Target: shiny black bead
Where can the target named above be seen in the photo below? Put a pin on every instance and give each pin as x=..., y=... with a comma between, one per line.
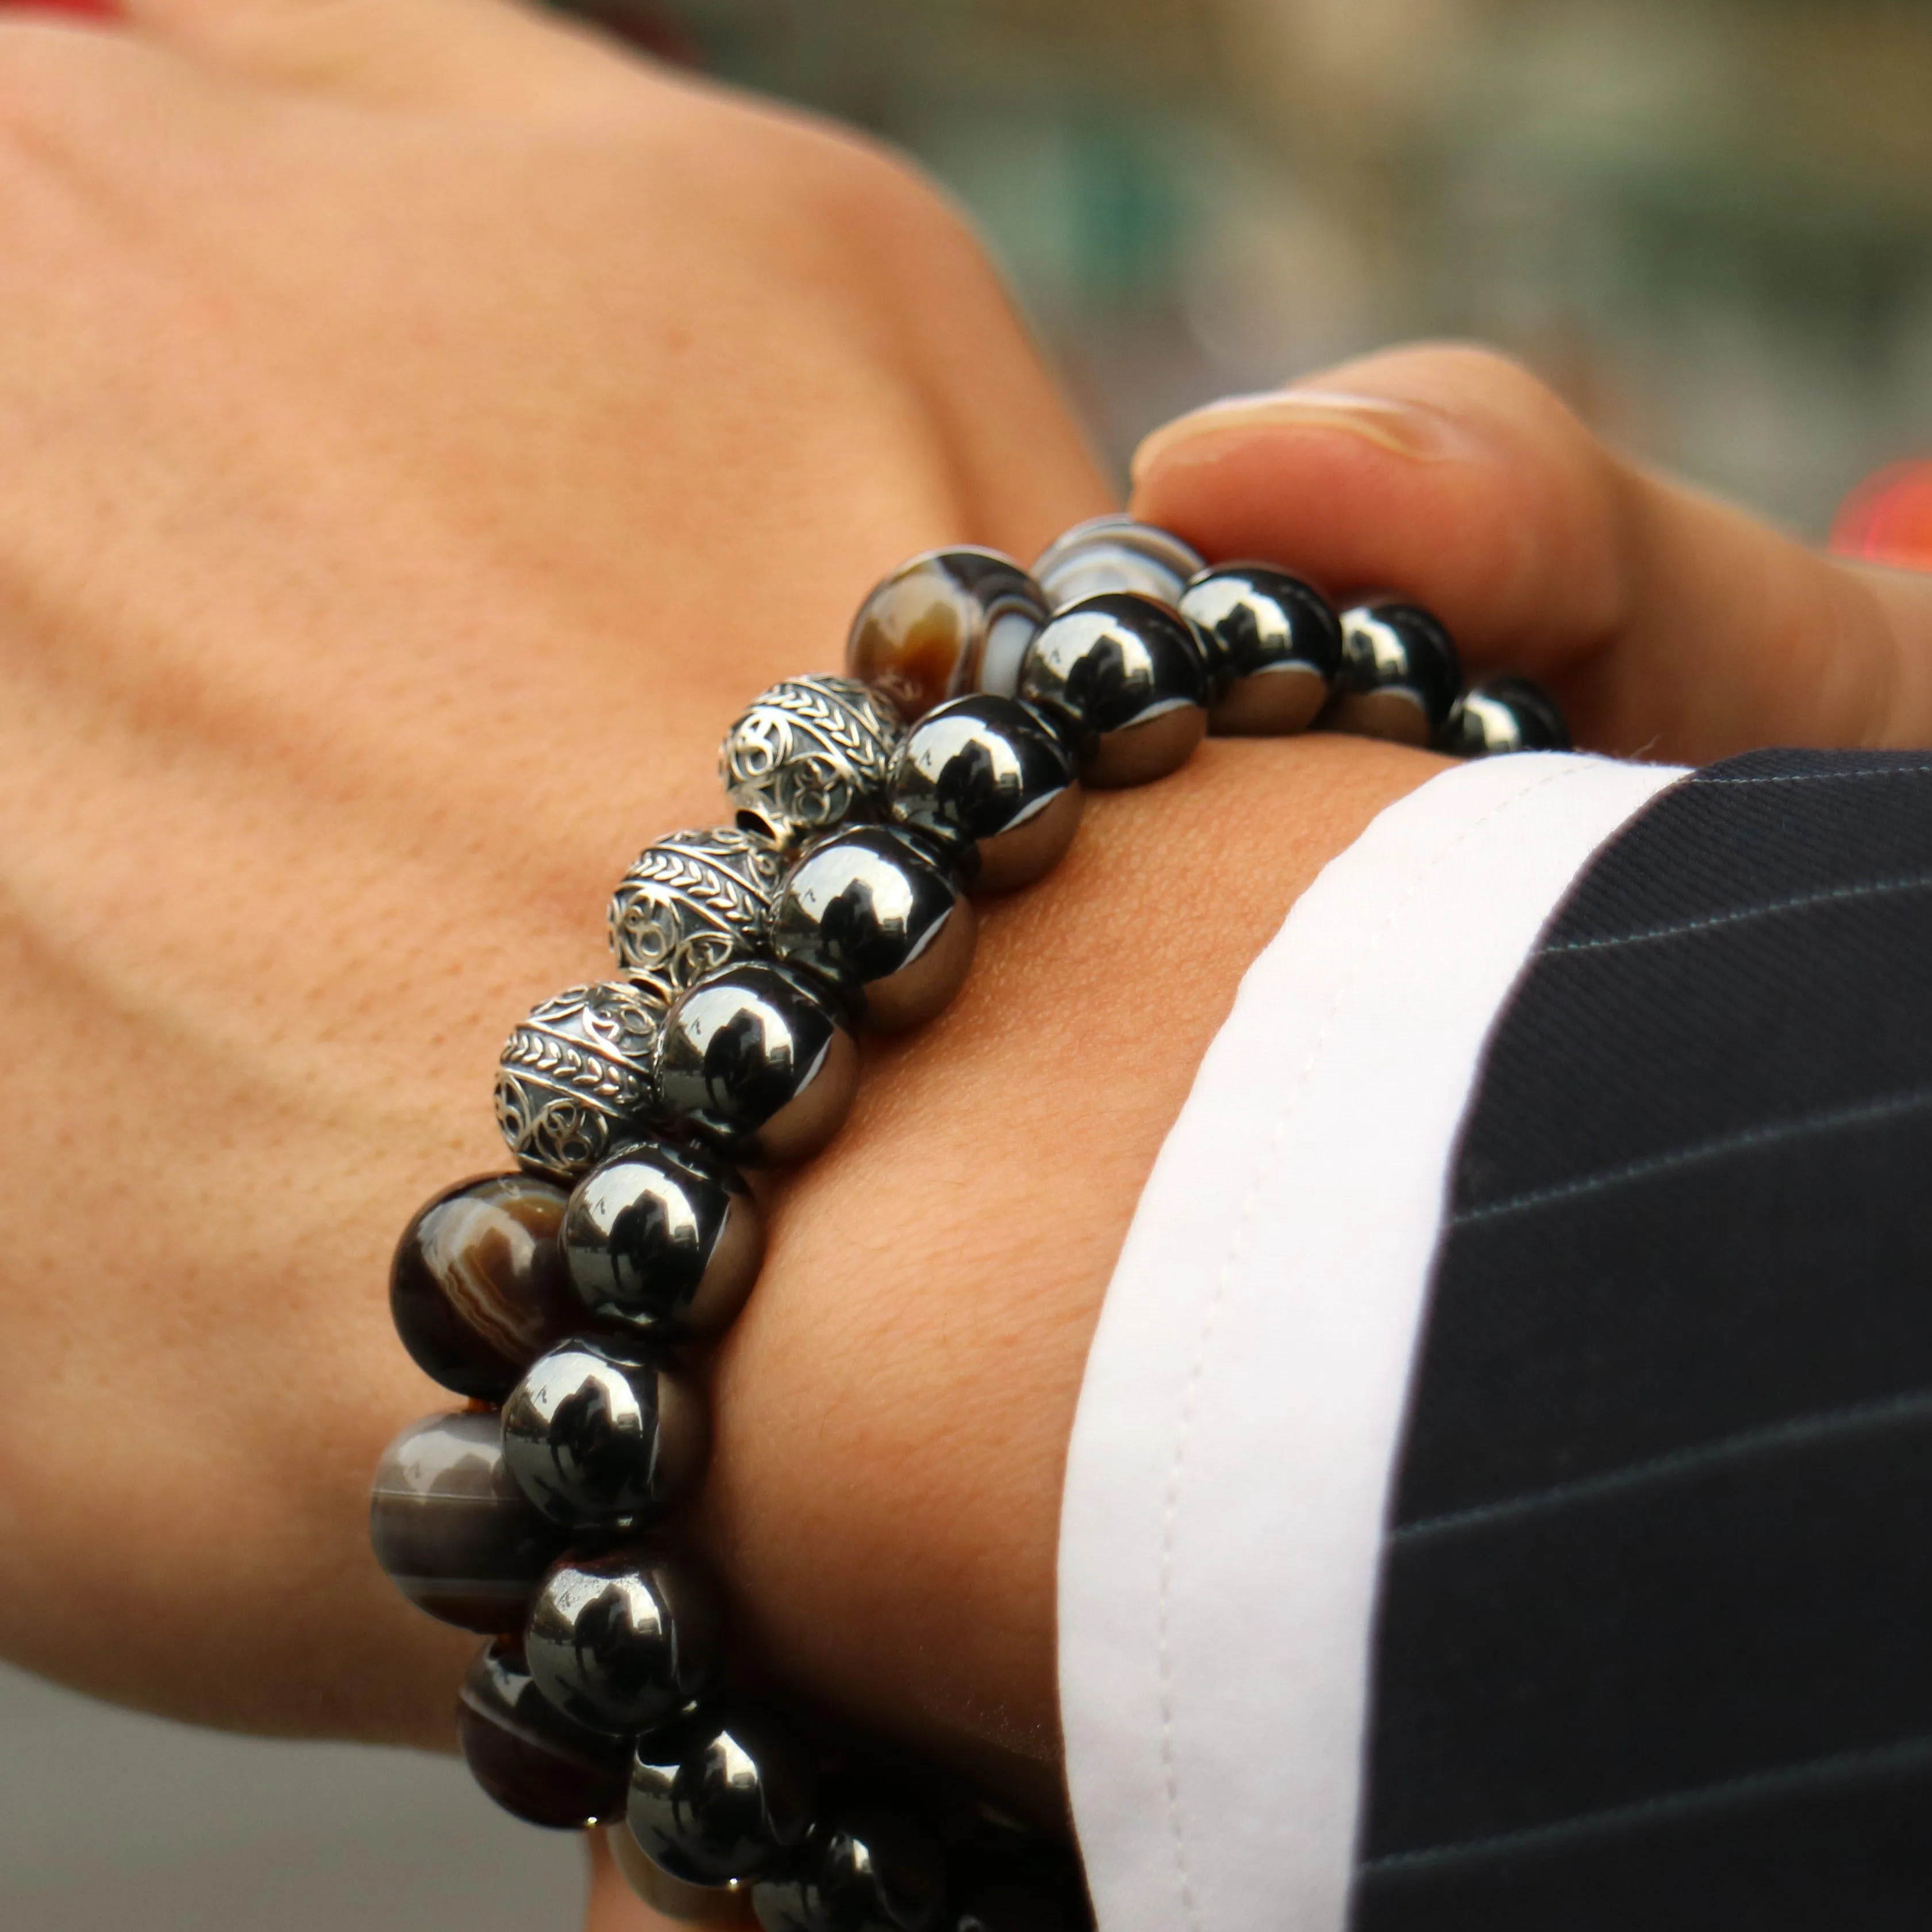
x=1273, y=646
x=623, y=1641
x=663, y=1240
x=947, y=622
x=986, y=775
x=728, y=1904
x=1399, y=675
x=478, y=1289
x=872, y=1865
x=1115, y=553
x=1125, y=677
x=598, y=1438
x=530, y=1757
x=879, y=918
x=449, y=1523
x=760, y=1061
x=724, y=1796
x=1501, y=714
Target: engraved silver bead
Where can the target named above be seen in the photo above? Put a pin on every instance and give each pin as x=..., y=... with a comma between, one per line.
x=1272, y=645
x=1502, y=715
x=987, y=775
x=758, y=1060
x=1124, y=676
x=622, y=1641
x=1399, y=673
x=576, y=1077
x=1114, y=553
x=597, y=1438
x=808, y=755
x=882, y=920
x=947, y=622
x=693, y=902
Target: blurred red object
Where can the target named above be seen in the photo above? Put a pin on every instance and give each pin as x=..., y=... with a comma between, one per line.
x=1888, y=518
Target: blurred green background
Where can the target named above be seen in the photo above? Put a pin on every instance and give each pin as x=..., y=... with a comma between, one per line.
x=1708, y=223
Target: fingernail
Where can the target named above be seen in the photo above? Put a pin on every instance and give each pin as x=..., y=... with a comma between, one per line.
x=1413, y=430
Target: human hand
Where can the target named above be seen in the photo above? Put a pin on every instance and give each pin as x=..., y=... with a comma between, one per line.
x=1668, y=624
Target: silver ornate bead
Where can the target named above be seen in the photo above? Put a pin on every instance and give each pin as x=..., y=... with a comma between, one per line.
x=987, y=775
x=1399, y=673
x=693, y=902
x=758, y=1060
x=1501, y=714
x=576, y=1077
x=1123, y=675
x=870, y=911
x=947, y=622
x=808, y=755
x=1114, y=553
x=1273, y=646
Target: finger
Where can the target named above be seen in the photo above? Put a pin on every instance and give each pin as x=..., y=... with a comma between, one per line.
x=480, y=53
x=1666, y=621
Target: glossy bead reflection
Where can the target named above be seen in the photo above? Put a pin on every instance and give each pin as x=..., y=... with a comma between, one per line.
x=1115, y=553
x=721, y=1798
x=878, y=917
x=528, y=1756
x=1502, y=715
x=1399, y=673
x=986, y=774
x=449, y=1523
x=594, y=1438
x=1273, y=646
x=758, y=1060
x=1125, y=677
x=727, y=1904
x=623, y=1641
x=666, y=1240
x=479, y=1288
x=948, y=622
x=872, y=1866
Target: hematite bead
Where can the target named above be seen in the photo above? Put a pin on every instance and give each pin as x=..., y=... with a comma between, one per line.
x=1114, y=553
x=666, y=1240
x=872, y=1866
x=1273, y=646
x=808, y=754
x=758, y=1060
x=947, y=622
x=576, y=1077
x=621, y=1641
x=530, y=1757
x=479, y=1288
x=693, y=902
x=1399, y=673
x=449, y=1523
x=871, y=912
x=985, y=774
x=597, y=1439
x=719, y=1797
x=1501, y=714
x=1125, y=676
x=728, y=1904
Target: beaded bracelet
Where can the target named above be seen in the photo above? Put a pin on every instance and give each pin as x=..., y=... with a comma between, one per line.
x=565, y=1300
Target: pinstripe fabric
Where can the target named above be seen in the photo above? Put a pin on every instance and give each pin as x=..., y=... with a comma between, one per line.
x=1655, y=1647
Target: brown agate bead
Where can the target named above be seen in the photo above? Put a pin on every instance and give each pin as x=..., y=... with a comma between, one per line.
x=530, y=1757
x=447, y=1522
x=479, y=1287
x=949, y=621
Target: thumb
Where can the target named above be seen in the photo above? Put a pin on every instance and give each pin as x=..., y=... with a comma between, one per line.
x=1665, y=622
x=495, y=53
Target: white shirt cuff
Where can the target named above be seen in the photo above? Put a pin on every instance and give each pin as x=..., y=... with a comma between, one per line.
x=1242, y=1408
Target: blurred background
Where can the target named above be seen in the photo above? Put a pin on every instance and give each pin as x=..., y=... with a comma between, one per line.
x=1708, y=222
